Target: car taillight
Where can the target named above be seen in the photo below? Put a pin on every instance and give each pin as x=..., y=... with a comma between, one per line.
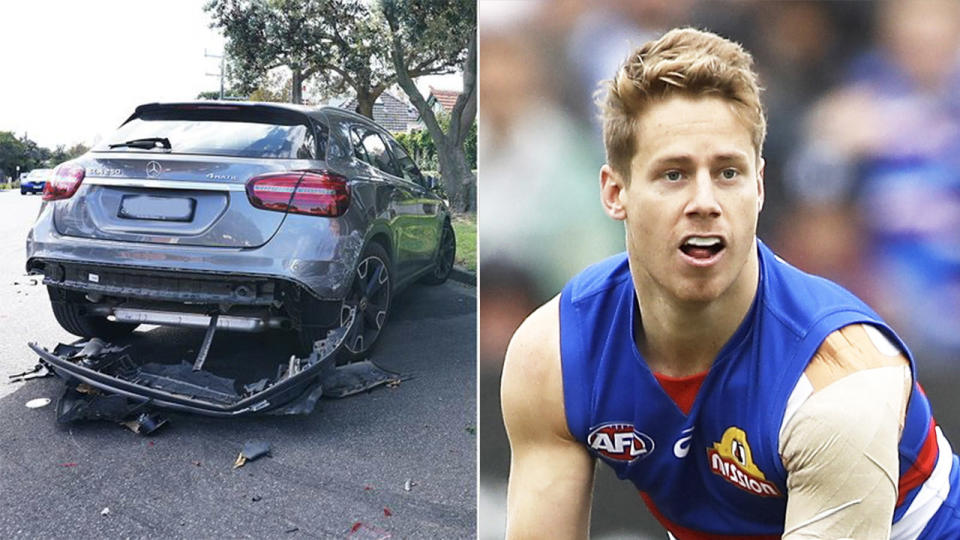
x=63, y=183
x=317, y=193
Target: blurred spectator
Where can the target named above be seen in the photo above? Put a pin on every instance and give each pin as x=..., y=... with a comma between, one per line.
x=540, y=194
x=879, y=178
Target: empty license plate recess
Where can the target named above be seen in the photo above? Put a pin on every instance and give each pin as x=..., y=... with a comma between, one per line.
x=157, y=208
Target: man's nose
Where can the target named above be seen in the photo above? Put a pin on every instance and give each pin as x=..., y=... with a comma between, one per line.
x=703, y=199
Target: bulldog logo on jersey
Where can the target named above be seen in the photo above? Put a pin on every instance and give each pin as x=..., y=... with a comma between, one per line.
x=619, y=441
x=732, y=459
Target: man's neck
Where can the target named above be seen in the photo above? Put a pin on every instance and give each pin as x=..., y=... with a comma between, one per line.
x=680, y=338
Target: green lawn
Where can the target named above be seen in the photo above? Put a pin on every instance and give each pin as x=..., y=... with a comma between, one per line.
x=465, y=228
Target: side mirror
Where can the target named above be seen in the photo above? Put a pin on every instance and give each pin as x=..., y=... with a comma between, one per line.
x=432, y=182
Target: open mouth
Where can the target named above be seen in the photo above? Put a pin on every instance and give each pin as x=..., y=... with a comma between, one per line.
x=702, y=247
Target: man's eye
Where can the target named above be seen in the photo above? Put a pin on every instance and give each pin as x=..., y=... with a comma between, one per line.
x=729, y=174
x=673, y=176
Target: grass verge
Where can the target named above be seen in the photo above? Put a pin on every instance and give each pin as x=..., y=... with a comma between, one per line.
x=465, y=228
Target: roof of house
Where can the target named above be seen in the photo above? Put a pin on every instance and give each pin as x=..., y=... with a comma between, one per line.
x=446, y=98
x=390, y=112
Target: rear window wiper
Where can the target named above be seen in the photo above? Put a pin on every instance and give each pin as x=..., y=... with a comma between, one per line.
x=147, y=143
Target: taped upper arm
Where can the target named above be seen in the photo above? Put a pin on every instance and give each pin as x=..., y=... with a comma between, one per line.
x=850, y=349
x=551, y=474
x=840, y=445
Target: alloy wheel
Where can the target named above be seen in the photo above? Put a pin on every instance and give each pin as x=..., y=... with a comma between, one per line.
x=370, y=298
x=448, y=249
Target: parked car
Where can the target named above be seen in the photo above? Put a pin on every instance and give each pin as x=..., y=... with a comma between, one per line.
x=34, y=181
x=239, y=217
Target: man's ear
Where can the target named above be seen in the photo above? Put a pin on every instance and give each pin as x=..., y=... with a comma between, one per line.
x=760, y=191
x=612, y=193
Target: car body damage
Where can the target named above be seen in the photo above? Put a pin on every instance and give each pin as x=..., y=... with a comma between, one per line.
x=260, y=217
x=104, y=381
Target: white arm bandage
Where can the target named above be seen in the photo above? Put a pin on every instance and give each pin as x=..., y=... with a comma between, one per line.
x=840, y=452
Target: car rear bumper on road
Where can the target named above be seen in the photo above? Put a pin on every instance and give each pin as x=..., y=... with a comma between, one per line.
x=295, y=389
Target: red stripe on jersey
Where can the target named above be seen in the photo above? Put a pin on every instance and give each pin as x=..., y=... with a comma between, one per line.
x=923, y=466
x=683, y=533
x=682, y=390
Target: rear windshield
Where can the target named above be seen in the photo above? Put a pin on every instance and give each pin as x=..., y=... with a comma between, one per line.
x=239, y=132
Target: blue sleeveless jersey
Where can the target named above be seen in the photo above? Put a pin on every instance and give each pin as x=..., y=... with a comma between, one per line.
x=717, y=472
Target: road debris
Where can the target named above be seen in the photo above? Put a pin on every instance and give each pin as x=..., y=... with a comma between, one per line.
x=256, y=498
x=37, y=403
x=38, y=371
x=105, y=511
x=362, y=530
x=106, y=382
x=69, y=464
x=387, y=512
x=292, y=530
x=352, y=379
x=251, y=451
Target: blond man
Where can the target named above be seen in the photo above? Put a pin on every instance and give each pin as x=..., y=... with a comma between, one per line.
x=742, y=397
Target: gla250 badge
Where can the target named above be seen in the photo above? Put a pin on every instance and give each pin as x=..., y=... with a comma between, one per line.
x=103, y=171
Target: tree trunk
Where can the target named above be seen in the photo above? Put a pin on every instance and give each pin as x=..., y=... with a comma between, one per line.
x=457, y=178
x=365, y=101
x=296, y=89
x=454, y=171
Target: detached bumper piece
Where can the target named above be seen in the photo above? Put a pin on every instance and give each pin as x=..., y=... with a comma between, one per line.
x=104, y=382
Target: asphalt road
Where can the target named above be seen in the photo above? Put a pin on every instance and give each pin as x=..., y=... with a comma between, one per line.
x=340, y=472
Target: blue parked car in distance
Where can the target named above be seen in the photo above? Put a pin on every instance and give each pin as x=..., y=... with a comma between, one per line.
x=34, y=181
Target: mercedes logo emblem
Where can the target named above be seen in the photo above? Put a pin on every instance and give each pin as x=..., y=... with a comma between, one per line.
x=154, y=169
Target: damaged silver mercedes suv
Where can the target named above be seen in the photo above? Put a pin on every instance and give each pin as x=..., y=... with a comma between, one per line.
x=240, y=217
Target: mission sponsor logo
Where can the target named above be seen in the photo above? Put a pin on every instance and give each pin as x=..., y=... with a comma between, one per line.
x=619, y=441
x=732, y=459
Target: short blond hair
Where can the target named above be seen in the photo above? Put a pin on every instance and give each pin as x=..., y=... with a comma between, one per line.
x=684, y=61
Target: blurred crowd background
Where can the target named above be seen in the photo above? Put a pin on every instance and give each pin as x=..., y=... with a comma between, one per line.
x=862, y=174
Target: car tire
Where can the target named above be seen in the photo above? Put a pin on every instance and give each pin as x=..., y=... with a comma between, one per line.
x=70, y=312
x=23, y=191
x=446, y=254
x=370, y=295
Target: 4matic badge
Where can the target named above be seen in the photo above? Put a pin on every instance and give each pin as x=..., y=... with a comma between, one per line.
x=732, y=459
x=619, y=441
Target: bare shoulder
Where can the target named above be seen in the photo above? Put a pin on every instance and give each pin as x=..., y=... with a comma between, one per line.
x=532, y=388
x=535, y=347
x=850, y=349
x=551, y=474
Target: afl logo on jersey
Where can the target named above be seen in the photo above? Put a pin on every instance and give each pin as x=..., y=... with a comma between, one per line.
x=619, y=441
x=732, y=459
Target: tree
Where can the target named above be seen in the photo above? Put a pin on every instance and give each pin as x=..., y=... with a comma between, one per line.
x=420, y=145
x=61, y=153
x=75, y=151
x=444, y=24
x=267, y=34
x=58, y=156
x=23, y=152
x=335, y=44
